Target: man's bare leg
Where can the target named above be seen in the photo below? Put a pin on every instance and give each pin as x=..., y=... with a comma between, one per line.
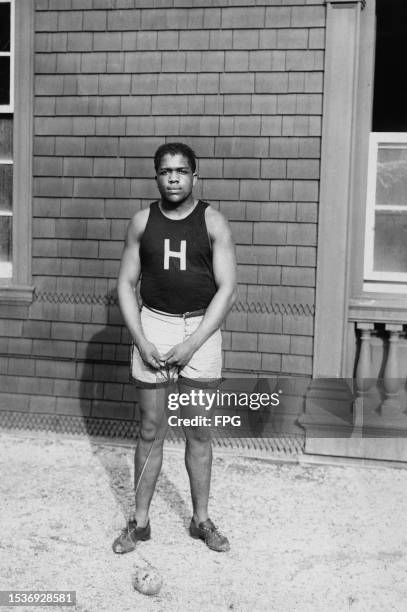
x=198, y=457
x=198, y=461
x=147, y=466
x=153, y=427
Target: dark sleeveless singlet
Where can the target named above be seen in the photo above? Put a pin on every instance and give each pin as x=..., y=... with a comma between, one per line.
x=176, y=262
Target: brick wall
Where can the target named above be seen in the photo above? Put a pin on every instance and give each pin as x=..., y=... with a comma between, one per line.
x=241, y=82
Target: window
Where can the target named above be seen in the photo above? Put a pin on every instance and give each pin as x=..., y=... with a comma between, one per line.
x=6, y=135
x=386, y=215
x=385, y=260
x=6, y=55
x=16, y=119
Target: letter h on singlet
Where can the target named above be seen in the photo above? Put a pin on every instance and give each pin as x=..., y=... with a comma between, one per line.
x=181, y=254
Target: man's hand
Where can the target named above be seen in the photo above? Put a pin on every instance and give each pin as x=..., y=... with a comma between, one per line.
x=180, y=354
x=150, y=354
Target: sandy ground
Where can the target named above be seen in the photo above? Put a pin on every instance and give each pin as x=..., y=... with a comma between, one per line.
x=303, y=538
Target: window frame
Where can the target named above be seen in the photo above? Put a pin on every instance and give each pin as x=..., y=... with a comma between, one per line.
x=371, y=276
x=384, y=285
x=9, y=108
x=6, y=268
x=17, y=289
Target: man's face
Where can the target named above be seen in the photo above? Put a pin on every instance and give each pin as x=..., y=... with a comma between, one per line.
x=175, y=179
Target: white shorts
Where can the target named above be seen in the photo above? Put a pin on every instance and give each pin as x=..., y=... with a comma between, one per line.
x=165, y=331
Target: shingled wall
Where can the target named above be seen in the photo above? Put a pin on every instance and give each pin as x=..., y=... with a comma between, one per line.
x=241, y=82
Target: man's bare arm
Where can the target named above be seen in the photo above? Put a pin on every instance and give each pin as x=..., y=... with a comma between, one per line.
x=224, y=269
x=129, y=275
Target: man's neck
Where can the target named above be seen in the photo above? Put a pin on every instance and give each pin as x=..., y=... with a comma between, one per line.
x=180, y=211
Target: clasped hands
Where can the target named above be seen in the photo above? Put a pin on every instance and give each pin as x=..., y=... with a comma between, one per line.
x=178, y=355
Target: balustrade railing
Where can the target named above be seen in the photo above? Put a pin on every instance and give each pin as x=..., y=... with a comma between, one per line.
x=380, y=379
x=392, y=381
x=363, y=374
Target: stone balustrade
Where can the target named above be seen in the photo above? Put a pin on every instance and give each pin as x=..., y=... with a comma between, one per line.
x=380, y=376
x=363, y=413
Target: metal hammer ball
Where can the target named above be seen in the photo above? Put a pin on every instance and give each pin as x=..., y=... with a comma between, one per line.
x=147, y=581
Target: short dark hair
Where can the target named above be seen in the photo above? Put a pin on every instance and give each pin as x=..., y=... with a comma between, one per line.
x=175, y=148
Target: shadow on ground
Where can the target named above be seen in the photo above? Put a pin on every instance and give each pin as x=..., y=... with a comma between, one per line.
x=106, y=396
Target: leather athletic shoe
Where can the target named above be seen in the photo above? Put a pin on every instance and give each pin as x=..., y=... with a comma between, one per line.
x=130, y=535
x=207, y=532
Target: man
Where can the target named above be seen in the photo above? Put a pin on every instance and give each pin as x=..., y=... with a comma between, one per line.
x=182, y=250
